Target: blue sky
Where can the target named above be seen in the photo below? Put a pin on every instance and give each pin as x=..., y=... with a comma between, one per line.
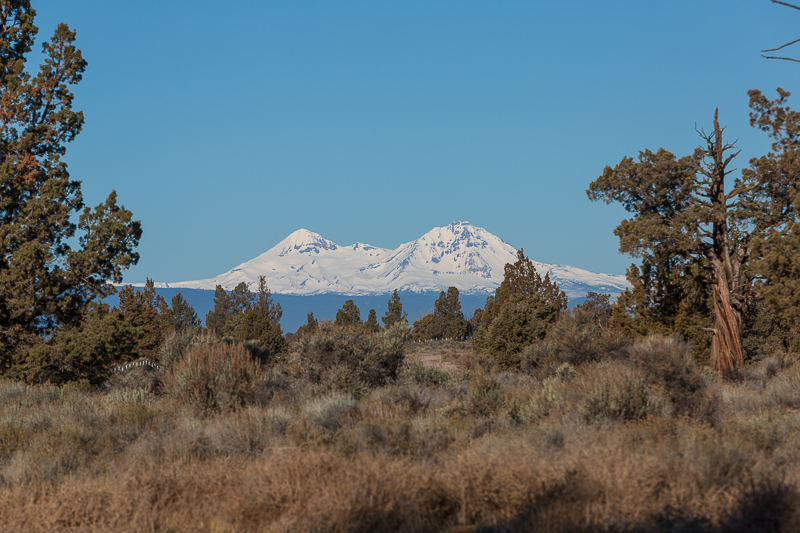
x=225, y=127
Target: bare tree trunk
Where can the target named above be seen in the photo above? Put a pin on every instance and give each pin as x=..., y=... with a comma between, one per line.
x=726, y=346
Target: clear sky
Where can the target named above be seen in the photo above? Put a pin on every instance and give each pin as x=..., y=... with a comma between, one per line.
x=226, y=126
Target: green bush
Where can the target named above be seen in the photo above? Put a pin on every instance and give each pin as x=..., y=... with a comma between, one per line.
x=220, y=376
x=372, y=358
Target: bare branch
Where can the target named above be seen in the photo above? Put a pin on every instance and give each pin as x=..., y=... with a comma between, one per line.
x=785, y=4
x=784, y=58
x=782, y=46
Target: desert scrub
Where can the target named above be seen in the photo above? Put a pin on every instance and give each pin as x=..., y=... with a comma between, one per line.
x=328, y=410
x=525, y=407
x=667, y=363
x=616, y=392
x=220, y=376
x=176, y=345
x=487, y=398
x=371, y=358
x=576, y=338
x=428, y=375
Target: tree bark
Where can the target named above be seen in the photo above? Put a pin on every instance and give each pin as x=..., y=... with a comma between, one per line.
x=726, y=346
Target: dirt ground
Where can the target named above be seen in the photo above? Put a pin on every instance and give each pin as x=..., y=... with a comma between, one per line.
x=439, y=354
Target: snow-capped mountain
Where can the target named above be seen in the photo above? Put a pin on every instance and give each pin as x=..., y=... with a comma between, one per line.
x=460, y=255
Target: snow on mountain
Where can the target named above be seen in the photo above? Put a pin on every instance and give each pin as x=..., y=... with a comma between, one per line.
x=460, y=255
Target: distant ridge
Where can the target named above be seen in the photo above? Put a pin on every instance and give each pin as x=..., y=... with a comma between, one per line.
x=460, y=255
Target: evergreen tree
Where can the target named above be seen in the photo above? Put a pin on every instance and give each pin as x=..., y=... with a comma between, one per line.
x=371, y=324
x=348, y=315
x=51, y=266
x=446, y=322
x=448, y=308
x=599, y=307
x=519, y=322
x=394, y=312
x=228, y=309
x=520, y=312
x=216, y=318
x=87, y=351
x=261, y=320
x=776, y=252
x=309, y=327
x=148, y=312
x=474, y=322
x=182, y=316
x=684, y=214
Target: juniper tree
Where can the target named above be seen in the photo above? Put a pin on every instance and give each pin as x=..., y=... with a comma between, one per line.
x=446, y=322
x=260, y=321
x=520, y=312
x=53, y=264
x=309, y=327
x=182, y=316
x=690, y=228
x=371, y=324
x=86, y=351
x=228, y=309
x=394, y=313
x=776, y=251
x=348, y=315
x=148, y=312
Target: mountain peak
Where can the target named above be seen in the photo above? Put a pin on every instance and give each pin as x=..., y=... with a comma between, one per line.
x=304, y=241
x=460, y=255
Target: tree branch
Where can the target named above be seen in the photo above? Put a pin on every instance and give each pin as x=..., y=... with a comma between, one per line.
x=785, y=4
x=784, y=58
x=782, y=46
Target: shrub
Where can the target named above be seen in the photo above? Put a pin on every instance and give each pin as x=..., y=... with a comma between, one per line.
x=770, y=367
x=428, y=375
x=615, y=392
x=575, y=339
x=328, y=410
x=279, y=417
x=487, y=396
x=219, y=376
x=372, y=358
x=414, y=398
x=784, y=390
x=668, y=362
x=525, y=408
x=177, y=344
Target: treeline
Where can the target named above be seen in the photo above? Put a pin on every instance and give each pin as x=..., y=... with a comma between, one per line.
x=719, y=262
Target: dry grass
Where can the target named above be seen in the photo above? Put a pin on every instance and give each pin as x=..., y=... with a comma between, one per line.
x=592, y=447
